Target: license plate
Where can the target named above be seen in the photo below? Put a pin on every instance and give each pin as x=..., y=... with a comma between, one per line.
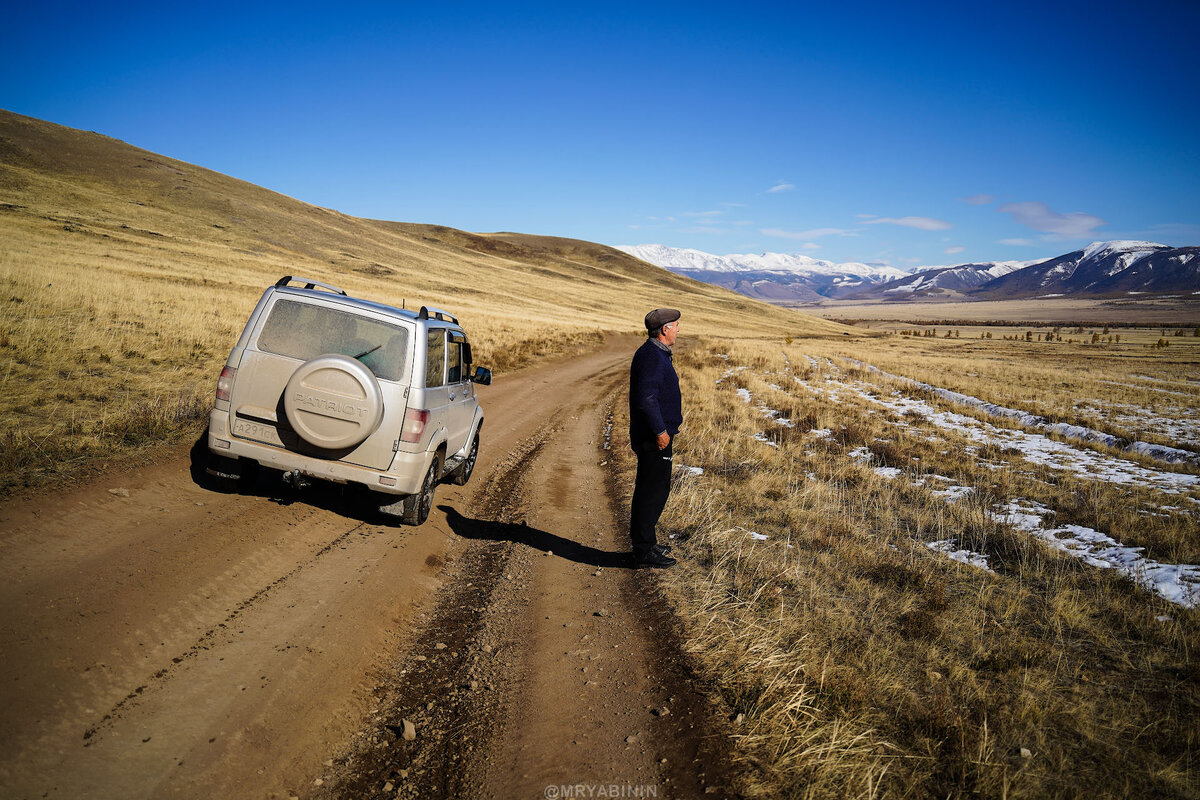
x=257, y=431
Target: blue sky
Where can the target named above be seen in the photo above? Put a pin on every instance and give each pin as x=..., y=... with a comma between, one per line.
x=904, y=133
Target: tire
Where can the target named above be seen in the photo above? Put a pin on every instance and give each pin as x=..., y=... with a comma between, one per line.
x=333, y=402
x=463, y=473
x=417, y=506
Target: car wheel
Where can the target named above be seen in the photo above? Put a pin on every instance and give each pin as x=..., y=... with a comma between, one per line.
x=417, y=506
x=463, y=473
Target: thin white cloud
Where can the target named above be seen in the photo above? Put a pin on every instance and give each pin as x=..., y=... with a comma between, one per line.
x=734, y=205
x=743, y=222
x=865, y=216
x=920, y=223
x=702, y=214
x=955, y=250
x=1040, y=217
x=810, y=246
x=978, y=199
x=1018, y=242
x=701, y=229
x=815, y=233
x=782, y=186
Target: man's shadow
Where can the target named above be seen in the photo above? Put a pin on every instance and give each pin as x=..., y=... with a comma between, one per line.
x=489, y=531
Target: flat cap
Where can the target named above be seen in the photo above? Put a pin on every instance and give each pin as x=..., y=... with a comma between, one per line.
x=661, y=316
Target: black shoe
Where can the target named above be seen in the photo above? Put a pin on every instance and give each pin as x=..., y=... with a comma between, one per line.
x=661, y=548
x=654, y=559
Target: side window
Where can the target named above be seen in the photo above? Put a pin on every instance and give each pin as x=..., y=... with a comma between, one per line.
x=435, y=357
x=454, y=359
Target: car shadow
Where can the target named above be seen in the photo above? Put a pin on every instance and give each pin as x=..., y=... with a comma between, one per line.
x=268, y=484
x=491, y=531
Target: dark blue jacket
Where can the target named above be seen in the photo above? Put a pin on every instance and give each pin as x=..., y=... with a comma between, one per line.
x=654, y=401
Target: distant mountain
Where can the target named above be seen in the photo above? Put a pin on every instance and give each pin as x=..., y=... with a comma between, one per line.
x=768, y=276
x=1103, y=269
x=940, y=282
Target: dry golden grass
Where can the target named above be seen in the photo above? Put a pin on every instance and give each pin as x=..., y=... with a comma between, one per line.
x=867, y=665
x=125, y=278
x=1076, y=383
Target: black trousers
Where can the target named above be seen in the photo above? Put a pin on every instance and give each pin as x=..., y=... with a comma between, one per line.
x=650, y=491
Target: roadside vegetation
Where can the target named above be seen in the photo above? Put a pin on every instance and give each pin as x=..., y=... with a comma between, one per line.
x=863, y=589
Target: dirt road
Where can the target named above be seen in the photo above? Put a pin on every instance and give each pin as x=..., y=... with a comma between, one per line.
x=163, y=639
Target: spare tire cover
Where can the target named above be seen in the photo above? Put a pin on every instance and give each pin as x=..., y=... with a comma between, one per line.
x=333, y=402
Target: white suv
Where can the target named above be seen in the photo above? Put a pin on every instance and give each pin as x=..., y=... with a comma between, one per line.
x=323, y=385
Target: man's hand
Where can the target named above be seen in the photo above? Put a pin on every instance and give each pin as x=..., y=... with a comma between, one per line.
x=664, y=440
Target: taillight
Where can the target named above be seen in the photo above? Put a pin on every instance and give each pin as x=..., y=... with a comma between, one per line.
x=225, y=383
x=414, y=425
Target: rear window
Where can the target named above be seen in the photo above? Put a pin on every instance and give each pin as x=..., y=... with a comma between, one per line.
x=305, y=331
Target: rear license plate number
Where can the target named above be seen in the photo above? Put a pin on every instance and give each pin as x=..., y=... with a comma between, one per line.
x=257, y=431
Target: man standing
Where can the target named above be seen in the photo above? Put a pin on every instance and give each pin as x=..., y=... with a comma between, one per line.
x=655, y=414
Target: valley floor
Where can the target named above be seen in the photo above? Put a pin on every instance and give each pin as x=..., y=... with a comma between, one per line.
x=1150, y=311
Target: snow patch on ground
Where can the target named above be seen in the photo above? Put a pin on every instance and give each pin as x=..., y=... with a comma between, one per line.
x=950, y=549
x=1178, y=583
x=768, y=412
x=1179, y=427
x=952, y=494
x=1171, y=455
x=1036, y=447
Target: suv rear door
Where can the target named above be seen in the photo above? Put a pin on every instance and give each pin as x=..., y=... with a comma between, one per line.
x=437, y=393
x=294, y=331
x=462, y=391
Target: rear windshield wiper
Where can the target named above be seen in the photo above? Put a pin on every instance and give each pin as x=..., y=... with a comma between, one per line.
x=368, y=352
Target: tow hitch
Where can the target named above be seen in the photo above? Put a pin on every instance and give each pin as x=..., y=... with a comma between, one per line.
x=294, y=479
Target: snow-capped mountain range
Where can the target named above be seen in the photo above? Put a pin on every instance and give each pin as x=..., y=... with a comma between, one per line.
x=1104, y=269
x=1101, y=269
x=768, y=276
x=934, y=281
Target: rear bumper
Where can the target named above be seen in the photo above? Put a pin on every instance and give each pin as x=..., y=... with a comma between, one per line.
x=407, y=469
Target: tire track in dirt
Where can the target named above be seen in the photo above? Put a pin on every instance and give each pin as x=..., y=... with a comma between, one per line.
x=206, y=640
x=428, y=686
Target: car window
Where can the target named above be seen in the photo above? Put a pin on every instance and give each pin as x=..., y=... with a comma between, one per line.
x=435, y=357
x=454, y=362
x=305, y=331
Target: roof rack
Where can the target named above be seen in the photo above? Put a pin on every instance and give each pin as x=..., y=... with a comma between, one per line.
x=309, y=283
x=445, y=316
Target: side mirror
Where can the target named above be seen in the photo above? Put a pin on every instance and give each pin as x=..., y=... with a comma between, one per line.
x=482, y=376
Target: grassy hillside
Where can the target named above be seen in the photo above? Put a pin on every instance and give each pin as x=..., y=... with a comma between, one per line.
x=125, y=277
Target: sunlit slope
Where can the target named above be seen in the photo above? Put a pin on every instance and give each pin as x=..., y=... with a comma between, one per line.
x=72, y=197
